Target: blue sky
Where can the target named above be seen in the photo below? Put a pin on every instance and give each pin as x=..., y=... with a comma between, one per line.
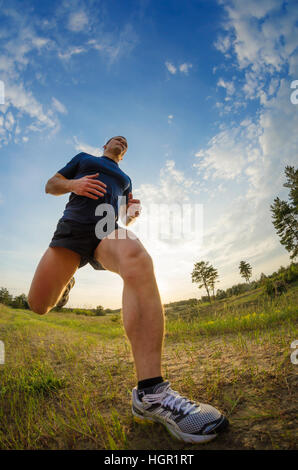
x=201, y=90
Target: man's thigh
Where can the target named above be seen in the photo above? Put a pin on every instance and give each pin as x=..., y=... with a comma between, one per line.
x=54, y=271
x=113, y=250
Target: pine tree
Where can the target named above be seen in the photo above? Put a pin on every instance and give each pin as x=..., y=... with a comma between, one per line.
x=285, y=214
x=245, y=270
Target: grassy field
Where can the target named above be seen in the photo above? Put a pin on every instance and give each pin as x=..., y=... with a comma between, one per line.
x=67, y=379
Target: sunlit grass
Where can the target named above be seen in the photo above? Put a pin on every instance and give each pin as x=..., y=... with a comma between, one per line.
x=67, y=380
x=233, y=323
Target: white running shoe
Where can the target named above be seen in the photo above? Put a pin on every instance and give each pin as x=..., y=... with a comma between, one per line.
x=183, y=418
x=65, y=295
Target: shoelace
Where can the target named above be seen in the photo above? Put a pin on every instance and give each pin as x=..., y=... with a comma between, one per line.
x=170, y=398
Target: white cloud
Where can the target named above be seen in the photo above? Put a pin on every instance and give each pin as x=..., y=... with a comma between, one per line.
x=172, y=182
x=59, y=106
x=223, y=43
x=77, y=21
x=70, y=52
x=261, y=37
x=263, y=33
x=114, y=46
x=18, y=45
x=229, y=86
x=83, y=147
x=9, y=121
x=228, y=152
x=254, y=152
x=22, y=42
x=171, y=68
x=184, y=68
x=25, y=102
x=39, y=42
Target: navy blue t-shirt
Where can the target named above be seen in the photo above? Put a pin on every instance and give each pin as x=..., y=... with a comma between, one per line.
x=82, y=208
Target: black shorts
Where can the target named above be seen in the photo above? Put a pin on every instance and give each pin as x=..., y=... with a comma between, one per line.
x=80, y=238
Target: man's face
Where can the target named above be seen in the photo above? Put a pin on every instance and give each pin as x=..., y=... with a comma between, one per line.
x=117, y=146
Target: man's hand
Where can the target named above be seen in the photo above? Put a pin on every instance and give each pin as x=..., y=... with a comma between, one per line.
x=133, y=207
x=88, y=186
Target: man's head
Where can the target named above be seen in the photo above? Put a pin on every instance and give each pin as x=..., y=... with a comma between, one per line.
x=116, y=147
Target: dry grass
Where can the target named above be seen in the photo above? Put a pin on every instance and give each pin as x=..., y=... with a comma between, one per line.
x=67, y=380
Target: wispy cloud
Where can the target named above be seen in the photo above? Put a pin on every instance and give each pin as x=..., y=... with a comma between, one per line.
x=59, y=106
x=21, y=47
x=171, y=68
x=185, y=67
x=259, y=47
x=77, y=21
x=84, y=147
x=229, y=86
x=70, y=52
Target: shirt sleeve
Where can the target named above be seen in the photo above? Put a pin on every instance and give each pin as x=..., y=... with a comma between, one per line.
x=70, y=169
x=127, y=191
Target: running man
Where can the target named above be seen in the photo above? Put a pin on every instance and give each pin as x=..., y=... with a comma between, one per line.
x=92, y=182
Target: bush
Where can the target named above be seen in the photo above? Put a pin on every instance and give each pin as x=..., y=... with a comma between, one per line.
x=269, y=287
x=100, y=311
x=276, y=287
x=291, y=274
x=220, y=294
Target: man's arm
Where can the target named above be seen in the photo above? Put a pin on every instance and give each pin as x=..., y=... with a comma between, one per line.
x=86, y=186
x=58, y=185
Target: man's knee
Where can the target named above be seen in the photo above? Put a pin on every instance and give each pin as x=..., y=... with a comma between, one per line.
x=37, y=308
x=136, y=265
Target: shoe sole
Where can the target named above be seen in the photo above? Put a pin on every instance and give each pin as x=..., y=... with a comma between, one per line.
x=65, y=296
x=181, y=436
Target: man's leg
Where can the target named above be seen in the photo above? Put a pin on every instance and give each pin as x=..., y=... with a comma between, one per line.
x=54, y=271
x=144, y=324
x=142, y=309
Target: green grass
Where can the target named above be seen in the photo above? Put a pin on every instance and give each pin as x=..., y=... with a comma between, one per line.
x=233, y=323
x=67, y=379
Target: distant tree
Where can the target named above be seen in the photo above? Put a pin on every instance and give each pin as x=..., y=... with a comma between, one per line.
x=205, y=275
x=99, y=311
x=20, y=301
x=274, y=288
x=245, y=270
x=213, y=276
x=220, y=294
x=291, y=274
x=5, y=296
x=285, y=214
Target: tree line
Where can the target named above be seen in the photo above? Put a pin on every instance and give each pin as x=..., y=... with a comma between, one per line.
x=20, y=301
